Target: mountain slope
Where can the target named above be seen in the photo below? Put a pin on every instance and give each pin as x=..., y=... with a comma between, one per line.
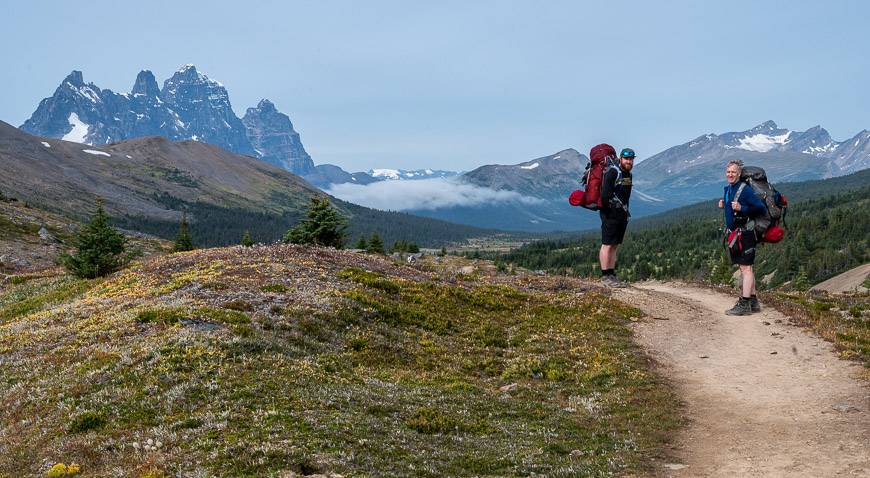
x=146, y=183
x=692, y=171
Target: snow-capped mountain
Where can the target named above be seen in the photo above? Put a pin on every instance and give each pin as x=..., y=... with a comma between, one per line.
x=203, y=107
x=326, y=175
x=409, y=174
x=693, y=170
x=553, y=176
x=190, y=106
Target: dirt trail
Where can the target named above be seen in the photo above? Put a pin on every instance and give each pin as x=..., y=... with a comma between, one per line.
x=762, y=400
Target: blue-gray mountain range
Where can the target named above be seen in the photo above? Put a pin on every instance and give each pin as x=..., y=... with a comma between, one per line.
x=191, y=106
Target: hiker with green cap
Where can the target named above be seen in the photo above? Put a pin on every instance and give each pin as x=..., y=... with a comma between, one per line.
x=615, y=193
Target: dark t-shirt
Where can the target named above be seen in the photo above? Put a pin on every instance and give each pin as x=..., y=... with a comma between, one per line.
x=615, y=184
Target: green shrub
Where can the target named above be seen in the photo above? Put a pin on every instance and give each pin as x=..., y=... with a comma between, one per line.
x=86, y=421
x=430, y=420
x=167, y=316
x=278, y=288
x=239, y=305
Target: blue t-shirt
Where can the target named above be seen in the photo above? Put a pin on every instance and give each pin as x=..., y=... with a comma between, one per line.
x=750, y=205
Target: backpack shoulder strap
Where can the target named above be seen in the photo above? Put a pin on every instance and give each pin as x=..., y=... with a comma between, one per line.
x=739, y=190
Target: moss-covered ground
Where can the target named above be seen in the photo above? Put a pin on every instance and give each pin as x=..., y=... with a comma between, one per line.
x=275, y=359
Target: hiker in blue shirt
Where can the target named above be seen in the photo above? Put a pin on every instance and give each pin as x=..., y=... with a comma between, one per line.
x=741, y=205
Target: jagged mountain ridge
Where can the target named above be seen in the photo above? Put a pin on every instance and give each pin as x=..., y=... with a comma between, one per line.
x=693, y=170
x=190, y=106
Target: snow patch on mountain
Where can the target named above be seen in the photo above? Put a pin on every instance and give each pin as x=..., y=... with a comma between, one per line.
x=646, y=197
x=45, y=144
x=531, y=166
x=96, y=152
x=763, y=143
x=79, y=129
x=819, y=150
x=385, y=173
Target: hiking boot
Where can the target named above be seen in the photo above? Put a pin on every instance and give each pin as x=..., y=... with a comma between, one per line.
x=612, y=281
x=742, y=307
x=754, y=306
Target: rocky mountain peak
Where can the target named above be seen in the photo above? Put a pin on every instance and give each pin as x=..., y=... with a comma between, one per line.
x=189, y=106
x=767, y=126
x=75, y=78
x=189, y=75
x=272, y=135
x=145, y=84
x=265, y=106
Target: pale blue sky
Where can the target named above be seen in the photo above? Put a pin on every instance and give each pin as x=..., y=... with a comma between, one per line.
x=458, y=84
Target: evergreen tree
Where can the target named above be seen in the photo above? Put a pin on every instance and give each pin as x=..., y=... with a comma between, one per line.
x=443, y=251
x=362, y=243
x=376, y=245
x=99, y=248
x=322, y=226
x=247, y=241
x=800, y=282
x=183, y=240
x=399, y=246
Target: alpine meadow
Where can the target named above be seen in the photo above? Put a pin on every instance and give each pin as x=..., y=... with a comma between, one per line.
x=396, y=239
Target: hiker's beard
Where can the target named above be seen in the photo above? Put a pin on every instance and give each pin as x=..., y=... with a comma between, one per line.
x=626, y=166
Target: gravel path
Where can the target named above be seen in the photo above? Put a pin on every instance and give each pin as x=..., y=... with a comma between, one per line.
x=763, y=398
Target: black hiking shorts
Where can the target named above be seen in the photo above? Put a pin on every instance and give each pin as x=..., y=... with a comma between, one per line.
x=744, y=253
x=613, y=230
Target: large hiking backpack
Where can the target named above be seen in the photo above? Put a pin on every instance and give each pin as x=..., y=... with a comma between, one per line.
x=599, y=158
x=767, y=225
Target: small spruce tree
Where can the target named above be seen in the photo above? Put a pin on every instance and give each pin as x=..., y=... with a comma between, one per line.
x=801, y=282
x=376, y=245
x=362, y=243
x=399, y=246
x=247, y=241
x=322, y=226
x=183, y=240
x=99, y=248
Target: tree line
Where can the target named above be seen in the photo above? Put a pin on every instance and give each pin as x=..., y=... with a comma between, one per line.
x=825, y=236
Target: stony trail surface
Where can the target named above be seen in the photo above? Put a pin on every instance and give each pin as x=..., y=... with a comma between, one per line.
x=763, y=398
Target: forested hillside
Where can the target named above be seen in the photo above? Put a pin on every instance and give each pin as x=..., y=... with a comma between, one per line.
x=828, y=225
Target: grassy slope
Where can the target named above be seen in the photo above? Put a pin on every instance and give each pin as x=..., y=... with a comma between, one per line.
x=248, y=362
x=24, y=250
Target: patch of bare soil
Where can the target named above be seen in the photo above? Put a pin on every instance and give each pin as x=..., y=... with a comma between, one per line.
x=763, y=397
